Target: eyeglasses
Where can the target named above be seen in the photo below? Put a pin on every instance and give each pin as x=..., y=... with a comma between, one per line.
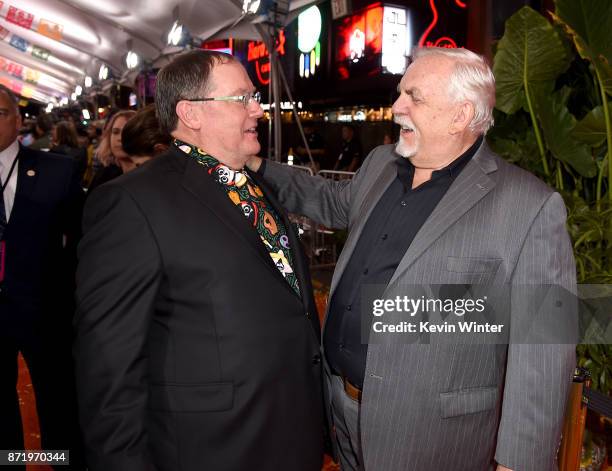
x=244, y=99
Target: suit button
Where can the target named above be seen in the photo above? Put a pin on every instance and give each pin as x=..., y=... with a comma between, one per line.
x=349, y=307
x=307, y=315
x=316, y=359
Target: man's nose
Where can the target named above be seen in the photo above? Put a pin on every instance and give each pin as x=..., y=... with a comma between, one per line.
x=255, y=109
x=396, y=106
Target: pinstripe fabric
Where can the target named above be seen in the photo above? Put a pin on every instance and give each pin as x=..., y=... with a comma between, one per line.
x=460, y=407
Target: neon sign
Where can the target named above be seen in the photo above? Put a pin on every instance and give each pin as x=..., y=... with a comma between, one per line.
x=442, y=41
x=258, y=53
x=378, y=39
x=309, y=32
x=396, y=40
x=445, y=41
x=309, y=29
x=357, y=45
x=359, y=42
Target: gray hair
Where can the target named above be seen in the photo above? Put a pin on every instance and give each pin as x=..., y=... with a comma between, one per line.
x=185, y=77
x=472, y=80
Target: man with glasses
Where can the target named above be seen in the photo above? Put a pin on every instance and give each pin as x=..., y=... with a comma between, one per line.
x=197, y=335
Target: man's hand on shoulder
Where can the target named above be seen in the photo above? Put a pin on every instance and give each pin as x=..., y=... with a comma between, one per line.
x=254, y=163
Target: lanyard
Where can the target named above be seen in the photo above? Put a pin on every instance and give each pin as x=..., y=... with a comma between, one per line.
x=10, y=173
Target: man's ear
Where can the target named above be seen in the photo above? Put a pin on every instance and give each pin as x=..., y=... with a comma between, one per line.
x=464, y=113
x=187, y=115
x=18, y=121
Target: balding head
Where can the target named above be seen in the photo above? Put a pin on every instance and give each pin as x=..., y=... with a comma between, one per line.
x=10, y=119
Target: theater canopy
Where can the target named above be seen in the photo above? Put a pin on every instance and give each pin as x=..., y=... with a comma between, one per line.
x=49, y=47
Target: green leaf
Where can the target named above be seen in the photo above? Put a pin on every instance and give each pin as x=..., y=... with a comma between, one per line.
x=595, y=353
x=530, y=52
x=592, y=128
x=557, y=123
x=588, y=23
x=507, y=148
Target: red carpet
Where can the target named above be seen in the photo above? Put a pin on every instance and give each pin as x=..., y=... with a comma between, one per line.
x=27, y=405
x=30, y=420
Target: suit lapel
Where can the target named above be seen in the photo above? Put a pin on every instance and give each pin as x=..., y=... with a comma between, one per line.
x=27, y=176
x=197, y=182
x=471, y=186
x=387, y=175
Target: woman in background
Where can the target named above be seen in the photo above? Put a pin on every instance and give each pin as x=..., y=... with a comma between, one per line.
x=142, y=138
x=110, y=153
x=64, y=140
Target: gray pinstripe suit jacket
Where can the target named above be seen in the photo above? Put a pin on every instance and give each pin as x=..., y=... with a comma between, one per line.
x=459, y=407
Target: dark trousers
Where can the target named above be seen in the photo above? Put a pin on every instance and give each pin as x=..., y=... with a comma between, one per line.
x=47, y=353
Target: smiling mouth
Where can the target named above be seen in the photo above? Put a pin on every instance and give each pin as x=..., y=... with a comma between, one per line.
x=252, y=130
x=407, y=129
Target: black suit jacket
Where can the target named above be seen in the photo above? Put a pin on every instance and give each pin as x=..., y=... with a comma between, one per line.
x=192, y=351
x=41, y=240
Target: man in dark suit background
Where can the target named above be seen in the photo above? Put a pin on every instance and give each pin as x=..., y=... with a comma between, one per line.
x=197, y=336
x=39, y=225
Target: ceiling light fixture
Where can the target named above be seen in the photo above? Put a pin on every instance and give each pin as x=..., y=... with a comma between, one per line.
x=175, y=36
x=103, y=72
x=250, y=7
x=132, y=60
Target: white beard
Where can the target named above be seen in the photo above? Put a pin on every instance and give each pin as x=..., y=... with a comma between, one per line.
x=404, y=149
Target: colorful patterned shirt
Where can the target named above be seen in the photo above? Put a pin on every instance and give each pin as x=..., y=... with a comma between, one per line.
x=244, y=193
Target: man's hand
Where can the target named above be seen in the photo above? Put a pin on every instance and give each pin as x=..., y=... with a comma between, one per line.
x=502, y=468
x=254, y=163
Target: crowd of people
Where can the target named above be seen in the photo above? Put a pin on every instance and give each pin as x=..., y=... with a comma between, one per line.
x=184, y=325
x=99, y=149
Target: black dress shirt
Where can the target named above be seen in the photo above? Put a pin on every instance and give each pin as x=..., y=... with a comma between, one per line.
x=398, y=216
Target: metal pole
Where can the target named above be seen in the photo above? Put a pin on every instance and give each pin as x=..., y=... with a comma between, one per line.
x=295, y=114
x=270, y=119
x=275, y=66
x=275, y=98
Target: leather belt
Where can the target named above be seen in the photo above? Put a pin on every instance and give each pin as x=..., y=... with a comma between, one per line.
x=351, y=391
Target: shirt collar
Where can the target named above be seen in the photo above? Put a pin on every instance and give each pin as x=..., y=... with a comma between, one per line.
x=406, y=169
x=7, y=156
x=220, y=172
